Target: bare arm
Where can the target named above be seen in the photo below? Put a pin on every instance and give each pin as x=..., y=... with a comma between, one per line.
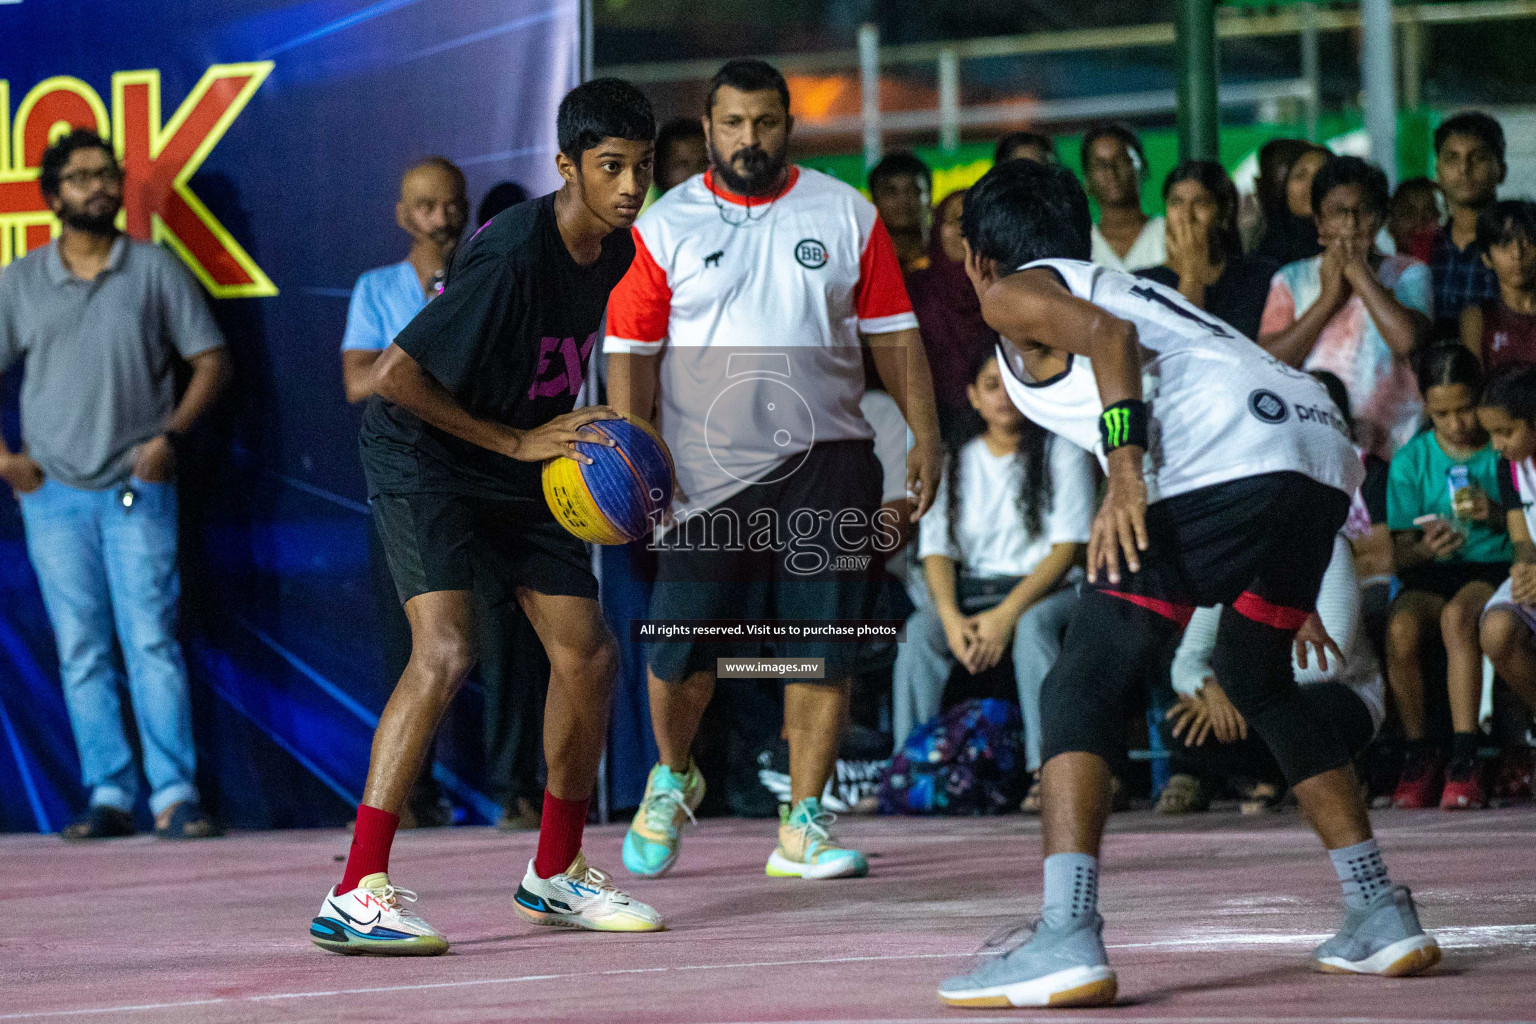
x=1040, y=582
x=633, y=383
x=154, y=461
x=401, y=380
x=939, y=570
x=357, y=367
x=211, y=372
x=903, y=367
x=1033, y=306
x=1401, y=328
x=1520, y=538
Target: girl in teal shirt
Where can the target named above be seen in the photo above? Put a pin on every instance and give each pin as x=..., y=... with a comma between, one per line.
x=1451, y=551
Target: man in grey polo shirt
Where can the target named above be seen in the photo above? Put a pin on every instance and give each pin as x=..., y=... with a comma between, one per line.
x=98, y=318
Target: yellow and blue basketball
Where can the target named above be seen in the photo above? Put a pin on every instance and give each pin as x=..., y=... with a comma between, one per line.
x=626, y=488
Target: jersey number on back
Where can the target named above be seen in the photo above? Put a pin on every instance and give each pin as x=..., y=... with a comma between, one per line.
x=1153, y=295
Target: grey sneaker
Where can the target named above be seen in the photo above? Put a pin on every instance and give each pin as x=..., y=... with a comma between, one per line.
x=1383, y=937
x=1053, y=967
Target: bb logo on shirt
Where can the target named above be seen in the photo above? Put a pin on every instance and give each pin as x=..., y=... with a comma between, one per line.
x=810, y=254
x=1268, y=406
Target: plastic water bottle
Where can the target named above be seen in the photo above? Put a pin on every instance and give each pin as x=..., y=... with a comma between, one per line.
x=1457, y=479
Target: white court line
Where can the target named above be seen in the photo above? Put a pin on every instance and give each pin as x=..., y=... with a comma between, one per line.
x=1459, y=937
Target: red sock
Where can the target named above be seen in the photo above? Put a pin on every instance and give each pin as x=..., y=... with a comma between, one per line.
x=560, y=831
x=371, y=840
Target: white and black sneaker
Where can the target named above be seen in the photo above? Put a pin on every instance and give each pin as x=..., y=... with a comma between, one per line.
x=372, y=919
x=581, y=896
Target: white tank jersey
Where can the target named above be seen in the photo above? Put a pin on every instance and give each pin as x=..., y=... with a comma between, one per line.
x=1220, y=407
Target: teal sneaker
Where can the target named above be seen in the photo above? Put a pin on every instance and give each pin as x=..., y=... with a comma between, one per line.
x=651, y=844
x=806, y=849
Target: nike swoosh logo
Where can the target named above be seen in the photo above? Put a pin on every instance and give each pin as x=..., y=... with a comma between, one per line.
x=361, y=924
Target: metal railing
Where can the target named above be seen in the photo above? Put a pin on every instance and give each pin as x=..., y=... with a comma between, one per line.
x=1305, y=20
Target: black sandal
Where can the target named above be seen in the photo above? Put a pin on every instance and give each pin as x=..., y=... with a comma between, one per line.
x=100, y=822
x=188, y=822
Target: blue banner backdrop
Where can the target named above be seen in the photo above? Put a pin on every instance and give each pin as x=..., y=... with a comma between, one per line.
x=264, y=142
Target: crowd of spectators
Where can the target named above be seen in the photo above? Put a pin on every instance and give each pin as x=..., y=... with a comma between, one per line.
x=1406, y=305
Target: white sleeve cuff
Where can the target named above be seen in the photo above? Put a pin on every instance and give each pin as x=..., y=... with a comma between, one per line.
x=612, y=344
x=888, y=324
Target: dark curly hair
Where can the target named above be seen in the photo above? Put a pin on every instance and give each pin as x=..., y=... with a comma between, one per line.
x=1036, y=492
x=56, y=157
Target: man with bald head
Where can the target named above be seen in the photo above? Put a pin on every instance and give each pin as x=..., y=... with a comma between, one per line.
x=433, y=210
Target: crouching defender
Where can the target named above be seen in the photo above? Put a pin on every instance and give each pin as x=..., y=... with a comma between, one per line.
x=1229, y=475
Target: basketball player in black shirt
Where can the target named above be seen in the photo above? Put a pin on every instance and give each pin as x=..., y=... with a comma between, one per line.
x=473, y=396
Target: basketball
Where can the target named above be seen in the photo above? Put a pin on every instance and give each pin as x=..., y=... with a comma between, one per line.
x=622, y=493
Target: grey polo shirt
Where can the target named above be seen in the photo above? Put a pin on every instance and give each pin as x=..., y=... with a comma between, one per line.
x=98, y=355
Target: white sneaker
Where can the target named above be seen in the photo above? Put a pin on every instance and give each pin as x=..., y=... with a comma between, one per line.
x=371, y=919
x=581, y=896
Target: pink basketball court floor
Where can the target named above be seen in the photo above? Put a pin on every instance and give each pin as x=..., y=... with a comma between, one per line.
x=1209, y=921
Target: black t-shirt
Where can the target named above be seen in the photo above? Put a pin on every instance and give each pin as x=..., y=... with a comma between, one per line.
x=1237, y=297
x=510, y=338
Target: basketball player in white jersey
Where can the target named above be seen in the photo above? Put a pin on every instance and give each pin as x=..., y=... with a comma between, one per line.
x=1229, y=474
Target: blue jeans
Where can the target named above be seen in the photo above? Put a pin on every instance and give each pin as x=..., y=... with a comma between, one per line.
x=109, y=580
x=924, y=661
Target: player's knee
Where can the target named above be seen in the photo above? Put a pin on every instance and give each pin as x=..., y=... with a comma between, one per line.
x=1502, y=634
x=443, y=657
x=593, y=665
x=1458, y=621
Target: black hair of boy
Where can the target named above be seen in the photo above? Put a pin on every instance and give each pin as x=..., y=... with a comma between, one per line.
x=1505, y=221
x=56, y=156
x=1478, y=125
x=604, y=108
x=1021, y=211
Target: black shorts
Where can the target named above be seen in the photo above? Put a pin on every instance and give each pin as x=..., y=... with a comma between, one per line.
x=443, y=541
x=1259, y=546
x=709, y=569
x=1445, y=579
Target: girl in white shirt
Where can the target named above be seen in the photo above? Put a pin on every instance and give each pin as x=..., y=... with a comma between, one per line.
x=998, y=550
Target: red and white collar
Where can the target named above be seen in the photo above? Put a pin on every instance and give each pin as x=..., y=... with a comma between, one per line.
x=732, y=197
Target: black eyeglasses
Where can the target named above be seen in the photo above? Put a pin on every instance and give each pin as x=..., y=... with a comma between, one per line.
x=105, y=175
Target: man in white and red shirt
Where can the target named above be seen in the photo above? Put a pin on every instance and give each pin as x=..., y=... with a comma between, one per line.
x=738, y=331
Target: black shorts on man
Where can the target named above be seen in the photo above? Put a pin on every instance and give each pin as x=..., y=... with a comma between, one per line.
x=819, y=568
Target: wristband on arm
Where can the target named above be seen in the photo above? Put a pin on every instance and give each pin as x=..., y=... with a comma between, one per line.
x=1124, y=424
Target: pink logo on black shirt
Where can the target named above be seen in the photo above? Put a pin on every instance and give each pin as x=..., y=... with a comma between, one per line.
x=568, y=368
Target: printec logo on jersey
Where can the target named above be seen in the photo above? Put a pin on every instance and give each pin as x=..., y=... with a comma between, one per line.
x=811, y=254
x=1268, y=406
x=158, y=157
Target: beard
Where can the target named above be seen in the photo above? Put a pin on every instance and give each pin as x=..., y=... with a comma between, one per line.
x=759, y=174
x=90, y=218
